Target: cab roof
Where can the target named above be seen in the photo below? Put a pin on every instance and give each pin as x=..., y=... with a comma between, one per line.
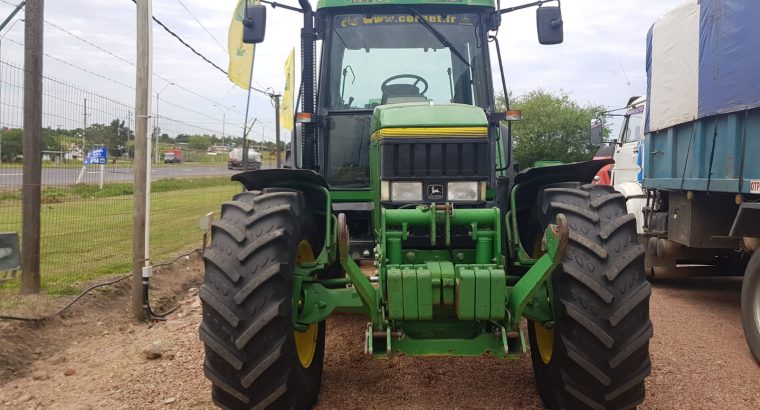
x=321, y=4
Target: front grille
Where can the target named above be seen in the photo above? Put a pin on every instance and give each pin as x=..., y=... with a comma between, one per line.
x=424, y=159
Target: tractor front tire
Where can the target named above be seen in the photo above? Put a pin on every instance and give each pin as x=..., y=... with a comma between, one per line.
x=254, y=356
x=595, y=354
x=751, y=305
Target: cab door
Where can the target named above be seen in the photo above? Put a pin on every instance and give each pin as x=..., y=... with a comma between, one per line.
x=627, y=160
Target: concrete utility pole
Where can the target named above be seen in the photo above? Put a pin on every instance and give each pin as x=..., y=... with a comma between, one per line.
x=277, y=130
x=158, y=126
x=131, y=130
x=142, y=147
x=32, y=146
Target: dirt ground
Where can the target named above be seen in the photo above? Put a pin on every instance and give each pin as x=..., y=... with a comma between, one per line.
x=95, y=358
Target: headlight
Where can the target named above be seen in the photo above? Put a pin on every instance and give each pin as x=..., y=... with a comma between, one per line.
x=406, y=191
x=462, y=191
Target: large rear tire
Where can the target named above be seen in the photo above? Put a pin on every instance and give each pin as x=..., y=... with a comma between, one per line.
x=751, y=305
x=254, y=356
x=596, y=354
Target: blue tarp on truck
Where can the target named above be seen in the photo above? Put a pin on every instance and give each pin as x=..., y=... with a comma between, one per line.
x=703, y=112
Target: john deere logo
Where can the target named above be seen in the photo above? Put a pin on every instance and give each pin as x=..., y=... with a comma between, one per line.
x=435, y=191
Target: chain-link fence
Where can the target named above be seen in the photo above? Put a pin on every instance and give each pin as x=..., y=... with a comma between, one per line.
x=86, y=211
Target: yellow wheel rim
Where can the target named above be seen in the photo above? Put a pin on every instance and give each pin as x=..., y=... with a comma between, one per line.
x=544, y=341
x=306, y=342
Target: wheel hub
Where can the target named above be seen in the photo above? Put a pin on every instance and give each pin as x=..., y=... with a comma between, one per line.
x=544, y=341
x=306, y=342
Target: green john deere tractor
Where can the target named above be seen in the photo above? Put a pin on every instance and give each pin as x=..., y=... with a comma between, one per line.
x=402, y=161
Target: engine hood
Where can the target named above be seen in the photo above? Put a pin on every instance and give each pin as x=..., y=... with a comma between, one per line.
x=428, y=116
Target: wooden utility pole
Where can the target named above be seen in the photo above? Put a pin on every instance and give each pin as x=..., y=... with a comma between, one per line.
x=278, y=161
x=32, y=146
x=142, y=110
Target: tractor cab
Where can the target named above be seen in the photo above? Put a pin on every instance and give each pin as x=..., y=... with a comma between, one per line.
x=380, y=56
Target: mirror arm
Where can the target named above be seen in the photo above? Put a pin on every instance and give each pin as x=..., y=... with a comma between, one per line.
x=525, y=6
x=275, y=4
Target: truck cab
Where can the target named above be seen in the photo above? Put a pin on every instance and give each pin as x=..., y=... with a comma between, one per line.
x=628, y=161
x=626, y=175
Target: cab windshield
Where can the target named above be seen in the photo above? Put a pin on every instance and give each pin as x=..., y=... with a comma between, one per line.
x=389, y=58
x=633, y=125
x=377, y=59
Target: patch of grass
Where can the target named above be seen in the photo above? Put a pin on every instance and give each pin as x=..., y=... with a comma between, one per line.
x=76, y=192
x=87, y=233
x=10, y=195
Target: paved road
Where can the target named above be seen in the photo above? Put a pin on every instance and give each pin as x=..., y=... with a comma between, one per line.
x=12, y=177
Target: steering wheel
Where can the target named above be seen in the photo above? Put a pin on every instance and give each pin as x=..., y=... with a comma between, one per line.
x=386, y=88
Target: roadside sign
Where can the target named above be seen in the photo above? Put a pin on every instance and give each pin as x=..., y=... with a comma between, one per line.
x=97, y=156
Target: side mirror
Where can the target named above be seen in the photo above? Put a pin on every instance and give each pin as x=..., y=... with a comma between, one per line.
x=254, y=24
x=549, y=23
x=596, y=131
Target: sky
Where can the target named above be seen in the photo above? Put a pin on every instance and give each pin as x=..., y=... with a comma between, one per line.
x=601, y=60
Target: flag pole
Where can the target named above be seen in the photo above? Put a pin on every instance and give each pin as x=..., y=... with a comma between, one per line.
x=247, y=107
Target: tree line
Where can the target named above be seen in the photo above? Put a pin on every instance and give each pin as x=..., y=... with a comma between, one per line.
x=554, y=127
x=116, y=136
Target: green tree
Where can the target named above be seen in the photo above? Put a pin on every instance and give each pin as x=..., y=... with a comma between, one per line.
x=114, y=136
x=11, y=139
x=199, y=142
x=554, y=127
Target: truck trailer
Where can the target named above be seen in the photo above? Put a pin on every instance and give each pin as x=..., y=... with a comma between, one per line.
x=702, y=126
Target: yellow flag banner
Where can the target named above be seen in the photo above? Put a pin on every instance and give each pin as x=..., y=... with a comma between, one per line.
x=241, y=54
x=286, y=108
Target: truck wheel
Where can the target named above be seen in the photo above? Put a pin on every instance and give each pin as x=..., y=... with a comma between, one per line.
x=254, y=356
x=596, y=352
x=751, y=305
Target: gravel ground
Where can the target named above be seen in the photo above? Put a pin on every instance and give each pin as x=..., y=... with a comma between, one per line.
x=96, y=359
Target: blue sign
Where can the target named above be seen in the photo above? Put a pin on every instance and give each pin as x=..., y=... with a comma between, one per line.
x=97, y=156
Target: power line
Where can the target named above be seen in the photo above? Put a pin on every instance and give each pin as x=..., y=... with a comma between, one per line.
x=120, y=58
x=165, y=118
x=10, y=4
x=77, y=67
x=117, y=82
x=184, y=43
x=196, y=52
x=202, y=26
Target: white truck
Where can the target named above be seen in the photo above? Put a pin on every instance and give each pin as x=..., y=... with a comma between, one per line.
x=626, y=174
x=235, y=160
